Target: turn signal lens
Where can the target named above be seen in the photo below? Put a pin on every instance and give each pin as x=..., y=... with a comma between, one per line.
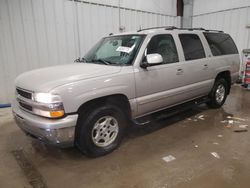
x=56, y=114
x=49, y=114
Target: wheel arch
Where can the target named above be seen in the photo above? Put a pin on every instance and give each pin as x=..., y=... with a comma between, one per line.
x=119, y=100
x=227, y=76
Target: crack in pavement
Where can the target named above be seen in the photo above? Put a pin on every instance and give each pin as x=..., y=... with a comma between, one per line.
x=35, y=179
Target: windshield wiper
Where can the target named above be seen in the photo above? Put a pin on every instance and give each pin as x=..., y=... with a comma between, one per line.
x=102, y=61
x=80, y=60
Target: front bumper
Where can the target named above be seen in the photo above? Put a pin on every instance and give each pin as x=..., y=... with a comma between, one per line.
x=59, y=132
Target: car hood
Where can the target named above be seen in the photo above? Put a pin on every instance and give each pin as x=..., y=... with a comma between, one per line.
x=45, y=79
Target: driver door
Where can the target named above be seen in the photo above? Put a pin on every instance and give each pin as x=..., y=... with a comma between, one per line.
x=158, y=86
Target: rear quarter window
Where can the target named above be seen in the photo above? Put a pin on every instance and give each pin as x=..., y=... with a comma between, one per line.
x=221, y=44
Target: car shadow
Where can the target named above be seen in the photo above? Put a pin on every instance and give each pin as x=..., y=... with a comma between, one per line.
x=160, y=121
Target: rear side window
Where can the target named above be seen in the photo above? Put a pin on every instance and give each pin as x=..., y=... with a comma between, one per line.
x=221, y=44
x=164, y=45
x=192, y=46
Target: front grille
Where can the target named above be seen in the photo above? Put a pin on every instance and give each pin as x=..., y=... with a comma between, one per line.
x=25, y=94
x=25, y=106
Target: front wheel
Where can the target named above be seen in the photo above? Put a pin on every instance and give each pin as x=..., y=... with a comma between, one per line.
x=218, y=94
x=101, y=130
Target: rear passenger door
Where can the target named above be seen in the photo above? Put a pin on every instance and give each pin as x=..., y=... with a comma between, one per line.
x=195, y=67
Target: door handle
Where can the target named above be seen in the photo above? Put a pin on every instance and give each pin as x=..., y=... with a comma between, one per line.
x=179, y=71
x=205, y=66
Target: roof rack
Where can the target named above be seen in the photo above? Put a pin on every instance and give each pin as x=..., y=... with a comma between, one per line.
x=214, y=30
x=173, y=27
x=199, y=29
x=162, y=27
x=191, y=29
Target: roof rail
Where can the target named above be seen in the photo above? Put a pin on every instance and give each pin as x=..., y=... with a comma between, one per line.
x=214, y=30
x=191, y=29
x=173, y=27
x=162, y=27
x=200, y=29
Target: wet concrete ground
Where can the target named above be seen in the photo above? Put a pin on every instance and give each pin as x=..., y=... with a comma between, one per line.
x=190, y=137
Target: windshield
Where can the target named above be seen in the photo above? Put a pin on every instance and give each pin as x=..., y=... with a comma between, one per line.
x=115, y=50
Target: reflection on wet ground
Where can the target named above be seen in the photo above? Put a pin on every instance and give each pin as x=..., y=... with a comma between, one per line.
x=190, y=137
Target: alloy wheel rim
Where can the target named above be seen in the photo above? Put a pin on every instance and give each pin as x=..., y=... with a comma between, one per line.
x=220, y=93
x=105, y=131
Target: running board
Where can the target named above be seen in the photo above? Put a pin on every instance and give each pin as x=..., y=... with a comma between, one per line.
x=163, y=114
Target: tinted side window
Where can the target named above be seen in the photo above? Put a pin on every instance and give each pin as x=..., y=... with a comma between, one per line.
x=221, y=44
x=192, y=46
x=164, y=45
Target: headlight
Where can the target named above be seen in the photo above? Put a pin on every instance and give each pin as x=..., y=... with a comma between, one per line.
x=46, y=98
x=48, y=105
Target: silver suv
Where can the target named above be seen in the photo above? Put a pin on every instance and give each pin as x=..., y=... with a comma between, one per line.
x=124, y=77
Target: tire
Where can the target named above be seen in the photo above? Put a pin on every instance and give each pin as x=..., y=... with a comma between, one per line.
x=218, y=94
x=100, y=131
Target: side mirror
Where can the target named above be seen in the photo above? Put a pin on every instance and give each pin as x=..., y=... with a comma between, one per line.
x=151, y=60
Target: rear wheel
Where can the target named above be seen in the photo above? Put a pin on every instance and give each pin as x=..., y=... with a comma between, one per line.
x=101, y=130
x=218, y=94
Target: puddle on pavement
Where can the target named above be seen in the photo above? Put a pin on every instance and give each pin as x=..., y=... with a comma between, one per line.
x=172, y=140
